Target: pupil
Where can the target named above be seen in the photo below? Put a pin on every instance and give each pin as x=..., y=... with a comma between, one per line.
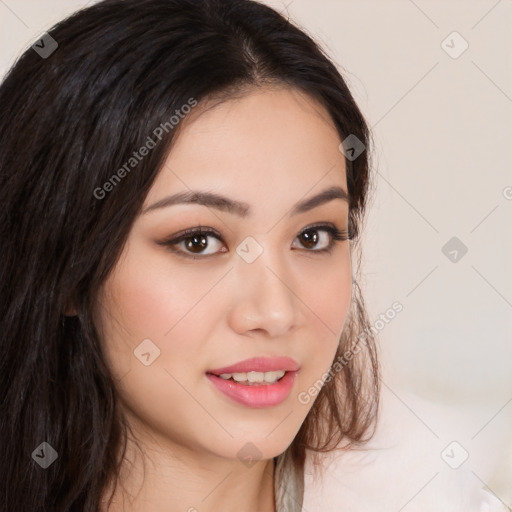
x=310, y=240
x=194, y=239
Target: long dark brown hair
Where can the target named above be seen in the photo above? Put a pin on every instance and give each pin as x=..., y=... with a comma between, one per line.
x=69, y=120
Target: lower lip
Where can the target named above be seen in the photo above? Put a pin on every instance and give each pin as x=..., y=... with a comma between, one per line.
x=266, y=395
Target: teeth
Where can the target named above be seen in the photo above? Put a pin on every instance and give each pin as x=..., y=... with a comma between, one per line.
x=254, y=377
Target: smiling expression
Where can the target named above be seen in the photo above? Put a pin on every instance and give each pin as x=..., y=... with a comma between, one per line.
x=258, y=274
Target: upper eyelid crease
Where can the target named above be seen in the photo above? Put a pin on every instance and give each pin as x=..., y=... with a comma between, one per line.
x=205, y=230
x=243, y=209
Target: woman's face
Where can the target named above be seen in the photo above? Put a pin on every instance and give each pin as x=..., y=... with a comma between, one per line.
x=260, y=286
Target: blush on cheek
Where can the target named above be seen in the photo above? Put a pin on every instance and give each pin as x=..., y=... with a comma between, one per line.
x=146, y=300
x=133, y=307
x=331, y=301
x=328, y=309
x=147, y=297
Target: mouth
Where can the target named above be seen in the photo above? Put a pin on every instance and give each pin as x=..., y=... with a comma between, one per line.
x=257, y=382
x=254, y=389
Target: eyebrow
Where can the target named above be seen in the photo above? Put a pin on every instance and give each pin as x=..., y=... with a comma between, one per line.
x=240, y=208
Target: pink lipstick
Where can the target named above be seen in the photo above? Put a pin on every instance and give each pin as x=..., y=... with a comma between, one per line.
x=257, y=382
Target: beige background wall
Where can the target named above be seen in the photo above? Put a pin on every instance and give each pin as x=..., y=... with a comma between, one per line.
x=443, y=130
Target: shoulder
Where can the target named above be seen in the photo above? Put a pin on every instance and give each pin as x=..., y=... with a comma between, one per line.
x=410, y=463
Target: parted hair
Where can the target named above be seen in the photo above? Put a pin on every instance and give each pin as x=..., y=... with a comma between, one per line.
x=69, y=120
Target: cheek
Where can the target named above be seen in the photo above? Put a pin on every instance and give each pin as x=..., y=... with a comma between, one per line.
x=327, y=294
x=156, y=310
x=328, y=299
x=147, y=299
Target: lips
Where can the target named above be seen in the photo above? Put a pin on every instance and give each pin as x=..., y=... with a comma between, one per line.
x=257, y=395
x=259, y=364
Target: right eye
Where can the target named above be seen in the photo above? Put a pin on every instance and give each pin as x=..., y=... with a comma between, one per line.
x=193, y=243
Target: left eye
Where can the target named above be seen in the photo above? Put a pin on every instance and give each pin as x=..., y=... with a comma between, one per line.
x=194, y=242
x=312, y=237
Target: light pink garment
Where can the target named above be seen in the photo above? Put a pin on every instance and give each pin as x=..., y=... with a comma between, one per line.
x=402, y=470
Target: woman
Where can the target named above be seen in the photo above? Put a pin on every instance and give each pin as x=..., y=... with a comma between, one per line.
x=183, y=185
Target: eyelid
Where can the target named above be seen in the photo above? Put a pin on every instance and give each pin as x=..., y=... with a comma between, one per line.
x=197, y=230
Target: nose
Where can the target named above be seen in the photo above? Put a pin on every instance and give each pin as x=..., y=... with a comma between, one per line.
x=263, y=297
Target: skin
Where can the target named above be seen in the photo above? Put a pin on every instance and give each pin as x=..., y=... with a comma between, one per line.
x=270, y=148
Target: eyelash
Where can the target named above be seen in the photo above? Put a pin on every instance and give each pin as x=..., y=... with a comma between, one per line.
x=336, y=236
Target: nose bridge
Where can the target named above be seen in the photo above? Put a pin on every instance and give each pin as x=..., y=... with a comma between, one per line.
x=265, y=299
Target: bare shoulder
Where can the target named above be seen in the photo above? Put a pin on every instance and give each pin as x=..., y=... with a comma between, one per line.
x=420, y=459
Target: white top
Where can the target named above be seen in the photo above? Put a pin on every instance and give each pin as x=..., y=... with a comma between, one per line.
x=420, y=460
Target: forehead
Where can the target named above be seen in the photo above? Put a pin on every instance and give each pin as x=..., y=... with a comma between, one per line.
x=287, y=112
x=267, y=142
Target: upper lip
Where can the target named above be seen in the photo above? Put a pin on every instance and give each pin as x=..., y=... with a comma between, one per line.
x=259, y=364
